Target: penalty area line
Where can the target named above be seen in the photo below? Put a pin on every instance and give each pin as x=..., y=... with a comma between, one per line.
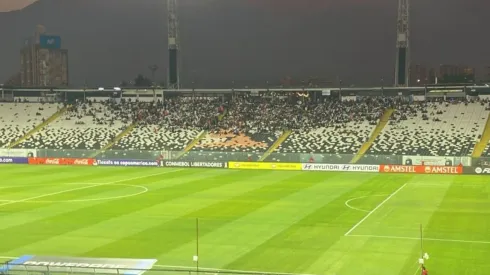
x=372, y=211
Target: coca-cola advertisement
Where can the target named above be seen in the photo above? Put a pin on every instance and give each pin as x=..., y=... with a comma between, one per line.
x=61, y=161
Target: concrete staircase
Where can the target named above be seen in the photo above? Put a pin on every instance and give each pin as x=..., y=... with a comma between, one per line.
x=485, y=138
x=276, y=144
x=385, y=118
x=193, y=143
x=116, y=139
x=38, y=127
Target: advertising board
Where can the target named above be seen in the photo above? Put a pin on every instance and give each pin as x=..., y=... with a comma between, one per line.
x=340, y=167
x=61, y=161
x=194, y=164
x=428, y=160
x=265, y=166
x=125, y=162
x=18, y=153
x=63, y=265
x=477, y=170
x=429, y=169
x=50, y=42
x=13, y=160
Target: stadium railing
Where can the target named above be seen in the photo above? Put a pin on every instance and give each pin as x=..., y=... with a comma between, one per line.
x=23, y=269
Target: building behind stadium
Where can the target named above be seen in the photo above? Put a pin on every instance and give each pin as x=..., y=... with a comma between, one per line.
x=43, y=62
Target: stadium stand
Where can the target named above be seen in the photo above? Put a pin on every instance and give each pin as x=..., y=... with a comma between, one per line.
x=245, y=128
x=154, y=138
x=250, y=127
x=486, y=153
x=334, y=129
x=18, y=118
x=89, y=125
x=440, y=128
x=170, y=125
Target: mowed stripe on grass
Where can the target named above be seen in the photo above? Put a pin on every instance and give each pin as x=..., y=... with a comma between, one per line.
x=167, y=204
x=250, y=220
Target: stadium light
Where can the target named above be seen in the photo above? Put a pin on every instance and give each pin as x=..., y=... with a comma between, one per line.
x=101, y=88
x=117, y=89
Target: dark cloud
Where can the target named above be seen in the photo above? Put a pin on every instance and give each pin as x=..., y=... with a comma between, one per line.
x=250, y=41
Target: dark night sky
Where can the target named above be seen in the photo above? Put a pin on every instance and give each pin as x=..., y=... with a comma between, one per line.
x=250, y=41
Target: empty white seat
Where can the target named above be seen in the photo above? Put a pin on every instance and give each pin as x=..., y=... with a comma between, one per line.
x=456, y=134
x=89, y=126
x=17, y=119
x=154, y=138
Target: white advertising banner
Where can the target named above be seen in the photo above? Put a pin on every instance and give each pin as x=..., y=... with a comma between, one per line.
x=21, y=153
x=349, y=98
x=340, y=167
x=429, y=160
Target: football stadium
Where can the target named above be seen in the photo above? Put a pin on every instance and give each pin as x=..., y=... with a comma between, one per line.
x=178, y=178
x=246, y=182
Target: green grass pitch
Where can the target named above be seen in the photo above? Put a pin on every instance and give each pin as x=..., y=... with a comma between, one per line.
x=274, y=221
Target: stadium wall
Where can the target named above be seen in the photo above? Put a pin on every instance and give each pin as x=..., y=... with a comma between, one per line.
x=431, y=166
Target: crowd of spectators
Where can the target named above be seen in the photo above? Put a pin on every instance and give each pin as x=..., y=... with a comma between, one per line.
x=255, y=114
x=270, y=114
x=243, y=114
x=180, y=112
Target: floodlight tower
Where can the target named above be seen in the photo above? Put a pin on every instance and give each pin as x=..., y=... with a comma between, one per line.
x=173, y=70
x=402, y=69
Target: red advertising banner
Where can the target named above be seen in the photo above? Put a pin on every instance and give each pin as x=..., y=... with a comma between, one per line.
x=60, y=161
x=421, y=169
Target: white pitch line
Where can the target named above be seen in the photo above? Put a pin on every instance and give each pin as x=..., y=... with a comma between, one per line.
x=49, y=194
x=372, y=211
x=85, y=187
x=418, y=239
x=357, y=198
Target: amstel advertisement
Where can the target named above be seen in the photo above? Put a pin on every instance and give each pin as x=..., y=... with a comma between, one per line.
x=421, y=169
x=264, y=165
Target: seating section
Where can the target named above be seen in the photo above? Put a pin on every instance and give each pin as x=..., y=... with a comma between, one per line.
x=228, y=141
x=346, y=139
x=247, y=126
x=232, y=146
x=170, y=125
x=486, y=153
x=84, y=126
x=154, y=138
x=18, y=118
x=333, y=130
x=433, y=129
x=335, y=144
